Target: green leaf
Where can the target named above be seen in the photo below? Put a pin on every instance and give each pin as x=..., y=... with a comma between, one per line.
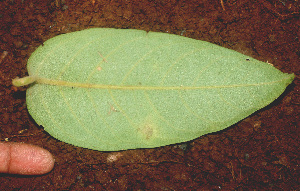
x=118, y=89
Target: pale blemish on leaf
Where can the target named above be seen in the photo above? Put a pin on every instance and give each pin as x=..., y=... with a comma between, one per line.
x=112, y=109
x=148, y=129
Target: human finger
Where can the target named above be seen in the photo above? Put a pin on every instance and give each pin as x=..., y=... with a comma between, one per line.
x=24, y=159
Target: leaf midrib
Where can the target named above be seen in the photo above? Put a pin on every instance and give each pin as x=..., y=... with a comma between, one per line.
x=116, y=87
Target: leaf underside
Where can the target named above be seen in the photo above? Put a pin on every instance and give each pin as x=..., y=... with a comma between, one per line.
x=117, y=89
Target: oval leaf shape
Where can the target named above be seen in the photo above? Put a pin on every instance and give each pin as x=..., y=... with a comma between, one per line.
x=117, y=89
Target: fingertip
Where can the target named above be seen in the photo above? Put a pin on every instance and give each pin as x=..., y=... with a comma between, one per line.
x=27, y=159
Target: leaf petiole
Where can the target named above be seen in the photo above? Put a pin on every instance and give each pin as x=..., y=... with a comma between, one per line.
x=23, y=81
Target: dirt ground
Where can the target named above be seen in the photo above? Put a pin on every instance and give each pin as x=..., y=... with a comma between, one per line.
x=259, y=153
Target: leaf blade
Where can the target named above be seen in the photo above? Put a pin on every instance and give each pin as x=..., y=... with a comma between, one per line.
x=110, y=89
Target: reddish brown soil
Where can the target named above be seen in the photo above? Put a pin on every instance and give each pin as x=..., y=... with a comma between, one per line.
x=261, y=152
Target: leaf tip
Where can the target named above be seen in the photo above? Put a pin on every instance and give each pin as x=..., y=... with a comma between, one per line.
x=18, y=82
x=290, y=78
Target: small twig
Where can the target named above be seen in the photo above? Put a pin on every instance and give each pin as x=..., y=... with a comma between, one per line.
x=222, y=4
x=271, y=8
x=20, y=134
x=4, y=54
